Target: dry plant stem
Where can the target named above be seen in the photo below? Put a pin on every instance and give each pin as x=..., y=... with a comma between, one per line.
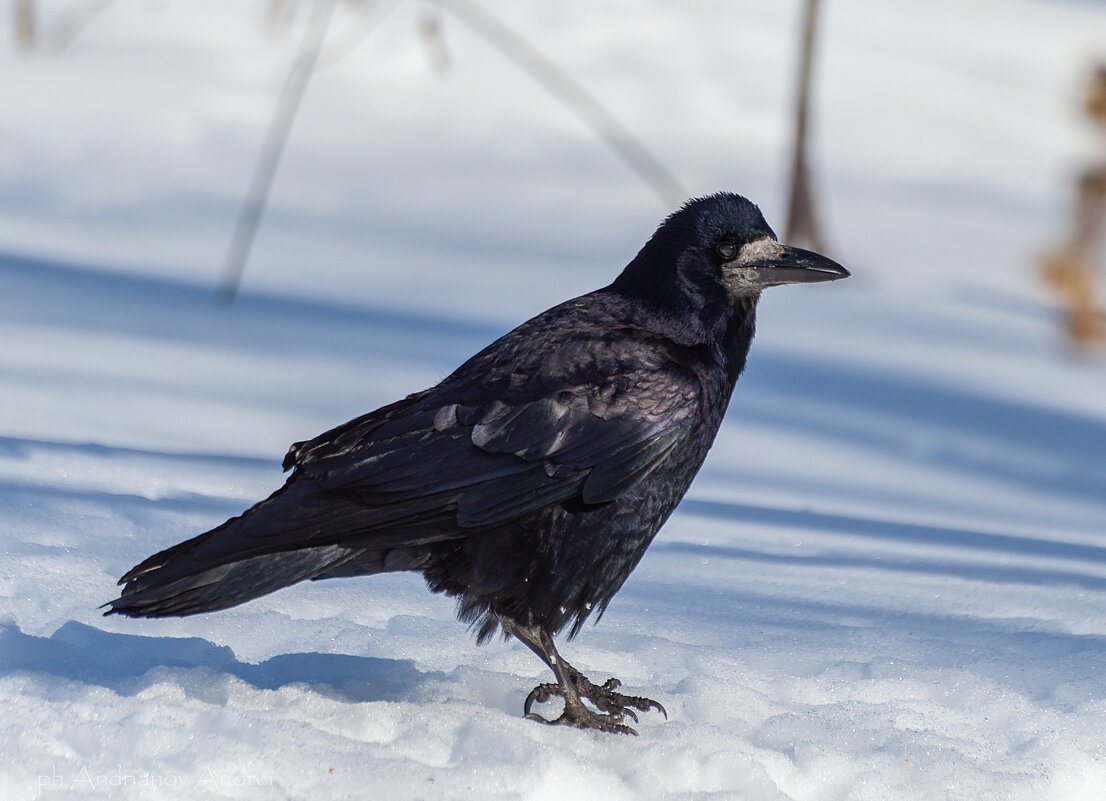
x=555, y=81
x=803, y=226
x=276, y=138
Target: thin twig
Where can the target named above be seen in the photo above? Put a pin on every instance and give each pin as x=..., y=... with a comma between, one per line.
x=430, y=30
x=357, y=31
x=25, y=24
x=803, y=226
x=275, y=139
x=554, y=80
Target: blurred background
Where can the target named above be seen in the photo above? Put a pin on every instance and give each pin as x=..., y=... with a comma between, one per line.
x=225, y=227
x=942, y=154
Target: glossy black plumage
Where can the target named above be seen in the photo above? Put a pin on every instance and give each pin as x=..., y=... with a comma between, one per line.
x=529, y=482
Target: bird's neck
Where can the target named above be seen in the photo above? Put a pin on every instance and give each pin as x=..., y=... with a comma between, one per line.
x=737, y=336
x=675, y=289
x=723, y=331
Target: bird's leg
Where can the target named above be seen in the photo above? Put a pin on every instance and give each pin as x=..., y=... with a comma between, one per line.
x=543, y=692
x=571, y=684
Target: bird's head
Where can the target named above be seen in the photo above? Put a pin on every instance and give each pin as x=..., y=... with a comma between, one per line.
x=719, y=250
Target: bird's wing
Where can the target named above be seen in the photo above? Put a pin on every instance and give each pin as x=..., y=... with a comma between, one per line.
x=585, y=420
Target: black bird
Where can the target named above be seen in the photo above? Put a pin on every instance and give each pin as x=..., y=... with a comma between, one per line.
x=528, y=483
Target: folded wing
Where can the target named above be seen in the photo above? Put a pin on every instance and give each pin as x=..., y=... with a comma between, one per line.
x=478, y=451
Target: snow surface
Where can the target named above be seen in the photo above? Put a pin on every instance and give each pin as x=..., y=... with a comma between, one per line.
x=889, y=581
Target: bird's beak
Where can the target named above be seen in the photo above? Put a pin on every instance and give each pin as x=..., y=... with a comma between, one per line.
x=765, y=262
x=790, y=265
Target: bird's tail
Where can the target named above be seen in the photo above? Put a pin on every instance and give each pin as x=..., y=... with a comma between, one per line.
x=289, y=537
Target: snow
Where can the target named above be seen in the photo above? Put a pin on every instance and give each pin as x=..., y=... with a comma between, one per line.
x=889, y=580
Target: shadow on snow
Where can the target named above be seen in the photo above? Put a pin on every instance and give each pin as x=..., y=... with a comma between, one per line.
x=892, y=531
x=121, y=662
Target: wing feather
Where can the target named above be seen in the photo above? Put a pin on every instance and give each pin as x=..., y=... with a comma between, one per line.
x=487, y=454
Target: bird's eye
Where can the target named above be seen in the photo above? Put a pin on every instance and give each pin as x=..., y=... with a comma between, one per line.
x=727, y=250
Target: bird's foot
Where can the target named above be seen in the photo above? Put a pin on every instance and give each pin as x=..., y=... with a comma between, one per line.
x=614, y=707
x=607, y=700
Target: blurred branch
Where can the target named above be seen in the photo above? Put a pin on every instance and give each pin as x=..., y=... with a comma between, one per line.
x=430, y=29
x=311, y=58
x=69, y=23
x=279, y=16
x=803, y=227
x=617, y=136
x=271, y=149
x=367, y=21
x=24, y=23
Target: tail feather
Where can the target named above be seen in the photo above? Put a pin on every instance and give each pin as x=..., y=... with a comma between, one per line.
x=300, y=532
x=226, y=585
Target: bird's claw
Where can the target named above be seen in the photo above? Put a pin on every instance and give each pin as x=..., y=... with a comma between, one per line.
x=614, y=707
x=540, y=694
x=606, y=699
x=597, y=722
x=585, y=720
x=643, y=704
x=614, y=703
